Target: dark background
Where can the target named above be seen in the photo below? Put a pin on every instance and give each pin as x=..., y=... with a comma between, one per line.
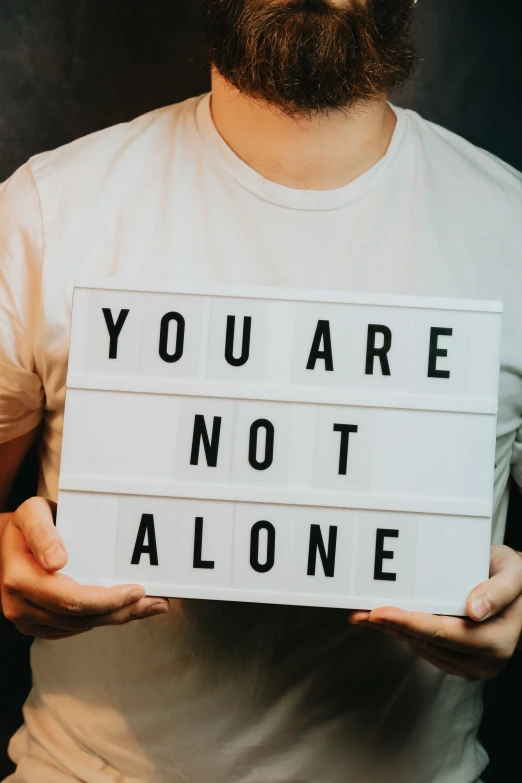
x=69, y=68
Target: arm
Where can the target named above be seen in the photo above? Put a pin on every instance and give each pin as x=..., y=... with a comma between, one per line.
x=39, y=600
x=11, y=457
x=34, y=595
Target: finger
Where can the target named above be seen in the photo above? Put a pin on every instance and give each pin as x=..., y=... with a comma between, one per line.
x=25, y=613
x=34, y=621
x=504, y=586
x=43, y=632
x=35, y=520
x=454, y=633
x=358, y=616
x=147, y=607
x=443, y=664
x=25, y=578
x=65, y=596
x=453, y=657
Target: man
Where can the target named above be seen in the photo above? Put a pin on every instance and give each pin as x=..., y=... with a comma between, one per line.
x=294, y=172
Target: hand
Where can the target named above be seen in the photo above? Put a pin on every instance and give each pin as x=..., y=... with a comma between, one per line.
x=44, y=603
x=473, y=649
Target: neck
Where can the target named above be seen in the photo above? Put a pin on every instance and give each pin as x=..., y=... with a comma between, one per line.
x=321, y=153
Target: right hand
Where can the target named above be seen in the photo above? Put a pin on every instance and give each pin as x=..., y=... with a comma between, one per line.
x=42, y=602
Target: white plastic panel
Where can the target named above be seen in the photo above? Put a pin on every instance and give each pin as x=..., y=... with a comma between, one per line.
x=111, y=434
x=124, y=312
x=217, y=418
x=386, y=543
x=343, y=449
x=315, y=569
x=171, y=336
x=451, y=545
x=265, y=429
x=338, y=451
x=307, y=555
x=174, y=525
x=229, y=318
x=387, y=331
x=429, y=454
x=321, y=347
x=88, y=525
x=263, y=536
x=451, y=353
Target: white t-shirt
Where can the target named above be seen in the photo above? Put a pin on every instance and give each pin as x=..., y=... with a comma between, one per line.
x=227, y=692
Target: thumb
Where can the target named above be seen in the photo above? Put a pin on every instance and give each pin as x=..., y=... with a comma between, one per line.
x=504, y=586
x=35, y=520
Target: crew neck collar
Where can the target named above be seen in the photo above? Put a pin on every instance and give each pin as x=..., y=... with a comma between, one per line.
x=281, y=195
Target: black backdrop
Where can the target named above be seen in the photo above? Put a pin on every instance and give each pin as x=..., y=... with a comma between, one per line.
x=69, y=68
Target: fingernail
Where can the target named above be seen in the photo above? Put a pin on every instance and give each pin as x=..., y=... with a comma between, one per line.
x=481, y=607
x=159, y=608
x=135, y=595
x=54, y=556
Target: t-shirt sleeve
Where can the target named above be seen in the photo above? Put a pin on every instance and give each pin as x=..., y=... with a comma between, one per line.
x=21, y=247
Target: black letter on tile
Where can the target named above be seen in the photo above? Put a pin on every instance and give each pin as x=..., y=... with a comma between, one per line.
x=197, y=562
x=114, y=329
x=164, y=337
x=372, y=352
x=245, y=344
x=345, y=430
x=317, y=545
x=269, y=444
x=147, y=529
x=383, y=554
x=322, y=335
x=270, y=546
x=435, y=352
x=211, y=445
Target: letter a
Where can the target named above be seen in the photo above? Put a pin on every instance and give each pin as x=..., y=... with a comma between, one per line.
x=322, y=335
x=146, y=529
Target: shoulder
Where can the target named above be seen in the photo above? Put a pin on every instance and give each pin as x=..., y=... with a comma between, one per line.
x=465, y=176
x=118, y=153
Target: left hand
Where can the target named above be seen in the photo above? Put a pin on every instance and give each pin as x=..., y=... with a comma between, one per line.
x=473, y=648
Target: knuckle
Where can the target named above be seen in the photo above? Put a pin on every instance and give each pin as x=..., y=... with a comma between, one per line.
x=10, y=582
x=70, y=605
x=10, y=612
x=29, y=511
x=30, y=505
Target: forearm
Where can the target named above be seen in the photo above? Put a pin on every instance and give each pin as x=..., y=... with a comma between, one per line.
x=4, y=518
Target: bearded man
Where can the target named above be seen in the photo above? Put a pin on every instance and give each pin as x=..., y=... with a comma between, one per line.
x=294, y=171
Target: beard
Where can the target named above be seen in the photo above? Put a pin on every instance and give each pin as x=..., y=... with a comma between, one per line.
x=309, y=57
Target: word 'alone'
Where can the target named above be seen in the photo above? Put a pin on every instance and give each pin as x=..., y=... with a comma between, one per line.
x=262, y=557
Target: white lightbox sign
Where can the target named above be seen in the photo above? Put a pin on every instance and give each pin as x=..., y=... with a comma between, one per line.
x=279, y=446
